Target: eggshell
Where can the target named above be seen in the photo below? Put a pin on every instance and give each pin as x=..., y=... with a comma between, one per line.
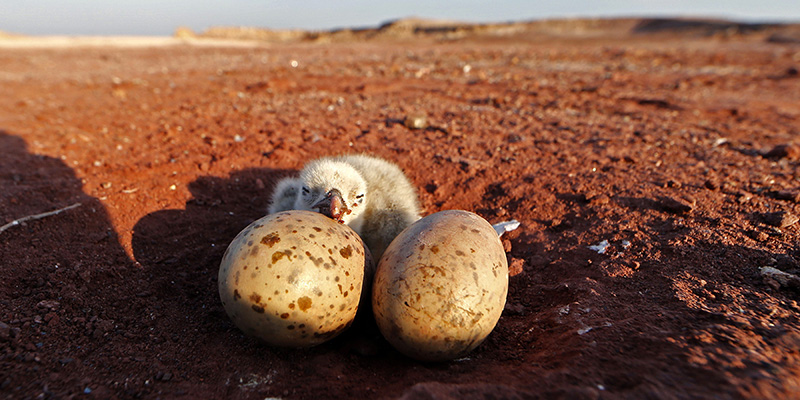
x=293, y=278
x=441, y=286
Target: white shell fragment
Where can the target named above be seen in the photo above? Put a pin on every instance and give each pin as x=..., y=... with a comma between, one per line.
x=505, y=226
x=600, y=248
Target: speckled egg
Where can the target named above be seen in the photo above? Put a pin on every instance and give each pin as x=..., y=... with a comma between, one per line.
x=441, y=286
x=293, y=278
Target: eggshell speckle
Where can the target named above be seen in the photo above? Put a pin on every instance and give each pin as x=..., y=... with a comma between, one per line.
x=293, y=278
x=441, y=286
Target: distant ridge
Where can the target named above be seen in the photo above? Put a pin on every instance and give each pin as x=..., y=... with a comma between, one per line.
x=421, y=28
x=6, y=35
x=411, y=29
x=702, y=26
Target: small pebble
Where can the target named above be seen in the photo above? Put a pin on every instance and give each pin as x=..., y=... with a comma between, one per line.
x=416, y=121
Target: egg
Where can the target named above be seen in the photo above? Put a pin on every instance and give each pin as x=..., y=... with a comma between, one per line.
x=441, y=286
x=293, y=278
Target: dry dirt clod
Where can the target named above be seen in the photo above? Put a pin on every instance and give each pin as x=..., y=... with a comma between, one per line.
x=676, y=205
x=789, y=151
x=600, y=199
x=786, y=262
x=780, y=219
x=790, y=195
x=760, y=236
x=515, y=267
x=711, y=184
x=743, y=197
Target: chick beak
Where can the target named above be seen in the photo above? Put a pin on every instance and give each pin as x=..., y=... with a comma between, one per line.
x=332, y=205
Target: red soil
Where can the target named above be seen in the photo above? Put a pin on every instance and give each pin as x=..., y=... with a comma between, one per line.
x=657, y=145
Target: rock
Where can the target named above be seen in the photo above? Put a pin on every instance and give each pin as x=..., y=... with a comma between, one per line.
x=48, y=304
x=778, y=279
x=788, y=151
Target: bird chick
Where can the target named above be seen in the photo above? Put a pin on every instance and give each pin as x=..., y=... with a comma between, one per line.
x=370, y=195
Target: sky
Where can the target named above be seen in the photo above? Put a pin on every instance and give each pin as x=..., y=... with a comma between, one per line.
x=162, y=17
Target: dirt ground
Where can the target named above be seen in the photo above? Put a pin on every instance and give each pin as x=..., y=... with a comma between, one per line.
x=675, y=158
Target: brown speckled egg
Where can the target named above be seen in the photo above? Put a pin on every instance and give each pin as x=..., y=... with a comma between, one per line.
x=293, y=278
x=441, y=286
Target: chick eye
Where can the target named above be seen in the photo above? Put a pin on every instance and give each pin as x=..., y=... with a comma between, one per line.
x=306, y=190
x=360, y=196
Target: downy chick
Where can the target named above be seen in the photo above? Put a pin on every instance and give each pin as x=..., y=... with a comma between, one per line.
x=371, y=195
